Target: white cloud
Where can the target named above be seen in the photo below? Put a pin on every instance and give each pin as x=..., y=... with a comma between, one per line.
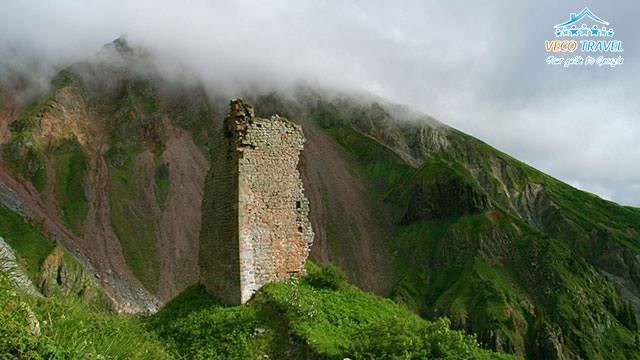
x=478, y=65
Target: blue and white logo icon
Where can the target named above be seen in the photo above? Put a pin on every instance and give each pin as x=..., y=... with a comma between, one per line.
x=587, y=39
x=570, y=27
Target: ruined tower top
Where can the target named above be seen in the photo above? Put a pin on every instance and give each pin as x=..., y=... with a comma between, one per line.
x=240, y=108
x=260, y=231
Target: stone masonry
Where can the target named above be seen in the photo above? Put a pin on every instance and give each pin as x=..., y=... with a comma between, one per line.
x=260, y=232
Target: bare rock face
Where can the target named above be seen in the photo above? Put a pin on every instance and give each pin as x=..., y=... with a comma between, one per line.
x=261, y=215
x=61, y=275
x=9, y=266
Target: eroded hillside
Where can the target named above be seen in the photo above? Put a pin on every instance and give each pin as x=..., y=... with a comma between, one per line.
x=114, y=163
x=531, y=265
x=105, y=152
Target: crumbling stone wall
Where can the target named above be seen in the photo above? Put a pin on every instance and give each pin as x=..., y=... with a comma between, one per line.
x=218, y=255
x=270, y=232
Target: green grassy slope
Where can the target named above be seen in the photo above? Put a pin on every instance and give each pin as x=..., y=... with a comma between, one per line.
x=515, y=256
x=31, y=246
x=135, y=227
x=27, y=155
x=21, y=151
x=75, y=320
x=133, y=127
x=319, y=316
x=71, y=170
x=521, y=272
x=68, y=329
x=110, y=100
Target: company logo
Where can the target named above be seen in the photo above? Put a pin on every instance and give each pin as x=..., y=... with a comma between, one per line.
x=587, y=34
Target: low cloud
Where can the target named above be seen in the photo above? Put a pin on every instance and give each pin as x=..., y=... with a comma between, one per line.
x=478, y=66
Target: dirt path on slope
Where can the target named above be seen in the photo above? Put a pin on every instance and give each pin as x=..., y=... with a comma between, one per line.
x=351, y=228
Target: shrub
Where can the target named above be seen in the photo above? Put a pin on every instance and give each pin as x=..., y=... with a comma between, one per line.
x=16, y=338
x=117, y=156
x=24, y=157
x=163, y=183
x=406, y=338
x=72, y=165
x=326, y=277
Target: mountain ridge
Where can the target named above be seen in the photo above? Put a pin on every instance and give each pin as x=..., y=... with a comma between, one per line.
x=408, y=207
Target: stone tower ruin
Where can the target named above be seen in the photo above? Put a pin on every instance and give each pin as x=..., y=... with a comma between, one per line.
x=257, y=229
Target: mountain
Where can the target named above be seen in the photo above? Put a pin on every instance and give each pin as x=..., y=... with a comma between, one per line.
x=531, y=265
x=115, y=164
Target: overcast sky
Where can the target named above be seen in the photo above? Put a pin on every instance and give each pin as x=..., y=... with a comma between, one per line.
x=476, y=65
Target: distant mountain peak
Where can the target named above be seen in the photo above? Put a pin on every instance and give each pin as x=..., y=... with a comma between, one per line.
x=121, y=45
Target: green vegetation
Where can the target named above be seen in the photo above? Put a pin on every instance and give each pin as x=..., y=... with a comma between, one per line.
x=76, y=321
x=506, y=252
x=31, y=246
x=134, y=110
x=189, y=110
x=442, y=274
x=380, y=165
x=30, y=117
x=588, y=211
x=463, y=250
x=136, y=127
x=71, y=165
x=68, y=329
x=298, y=320
x=28, y=156
x=23, y=153
x=63, y=276
x=134, y=225
x=286, y=320
x=66, y=77
x=25, y=156
x=319, y=316
x=325, y=277
x=162, y=184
